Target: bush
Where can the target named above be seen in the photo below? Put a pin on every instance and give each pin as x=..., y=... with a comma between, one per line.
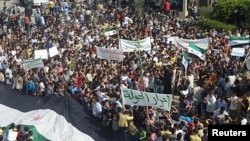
x=232, y=11
x=205, y=11
x=210, y=24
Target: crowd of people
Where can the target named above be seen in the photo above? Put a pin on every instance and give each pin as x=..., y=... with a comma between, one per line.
x=77, y=70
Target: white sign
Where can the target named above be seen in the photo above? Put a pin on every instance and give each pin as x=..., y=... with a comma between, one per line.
x=131, y=46
x=239, y=52
x=232, y=78
x=53, y=51
x=30, y=64
x=172, y=39
x=43, y=54
x=216, y=51
x=140, y=98
x=109, y=54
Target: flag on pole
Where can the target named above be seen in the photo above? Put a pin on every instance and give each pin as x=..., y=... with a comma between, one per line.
x=109, y=32
x=200, y=53
x=238, y=41
x=192, y=49
x=185, y=60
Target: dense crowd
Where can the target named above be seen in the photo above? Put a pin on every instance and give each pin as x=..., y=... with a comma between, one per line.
x=76, y=31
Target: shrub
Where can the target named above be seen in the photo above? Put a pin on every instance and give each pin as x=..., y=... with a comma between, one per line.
x=230, y=11
x=204, y=11
x=210, y=24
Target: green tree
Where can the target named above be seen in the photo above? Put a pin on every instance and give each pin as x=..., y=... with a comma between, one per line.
x=232, y=12
x=138, y=5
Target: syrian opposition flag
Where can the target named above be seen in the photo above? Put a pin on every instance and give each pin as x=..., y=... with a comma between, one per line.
x=201, y=43
x=109, y=32
x=185, y=60
x=200, y=53
x=192, y=49
x=238, y=41
x=57, y=119
x=45, y=124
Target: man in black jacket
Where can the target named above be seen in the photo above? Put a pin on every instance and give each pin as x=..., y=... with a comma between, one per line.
x=167, y=80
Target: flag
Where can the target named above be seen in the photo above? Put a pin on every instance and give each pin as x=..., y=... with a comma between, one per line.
x=109, y=32
x=193, y=49
x=238, y=41
x=44, y=123
x=201, y=43
x=58, y=119
x=185, y=60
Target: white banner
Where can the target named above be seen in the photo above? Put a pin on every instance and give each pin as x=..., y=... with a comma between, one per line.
x=172, y=39
x=53, y=51
x=30, y=64
x=131, y=46
x=109, y=54
x=239, y=52
x=42, y=53
x=140, y=98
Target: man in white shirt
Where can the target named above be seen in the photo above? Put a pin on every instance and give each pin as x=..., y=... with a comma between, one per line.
x=219, y=115
x=210, y=100
x=96, y=108
x=233, y=108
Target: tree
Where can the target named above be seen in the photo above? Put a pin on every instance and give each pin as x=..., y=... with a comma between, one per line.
x=233, y=12
x=139, y=5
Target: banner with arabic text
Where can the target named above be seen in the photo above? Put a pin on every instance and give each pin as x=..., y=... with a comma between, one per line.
x=131, y=46
x=140, y=98
x=109, y=54
x=30, y=64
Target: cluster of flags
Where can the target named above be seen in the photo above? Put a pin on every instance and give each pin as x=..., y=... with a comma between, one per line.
x=196, y=48
x=199, y=47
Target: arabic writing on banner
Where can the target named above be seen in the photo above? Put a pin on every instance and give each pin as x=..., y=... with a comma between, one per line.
x=131, y=46
x=30, y=64
x=109, y=54
x=42, y=53
x=140, y=98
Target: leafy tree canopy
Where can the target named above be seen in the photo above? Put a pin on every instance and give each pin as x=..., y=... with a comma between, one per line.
x=232, y=12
